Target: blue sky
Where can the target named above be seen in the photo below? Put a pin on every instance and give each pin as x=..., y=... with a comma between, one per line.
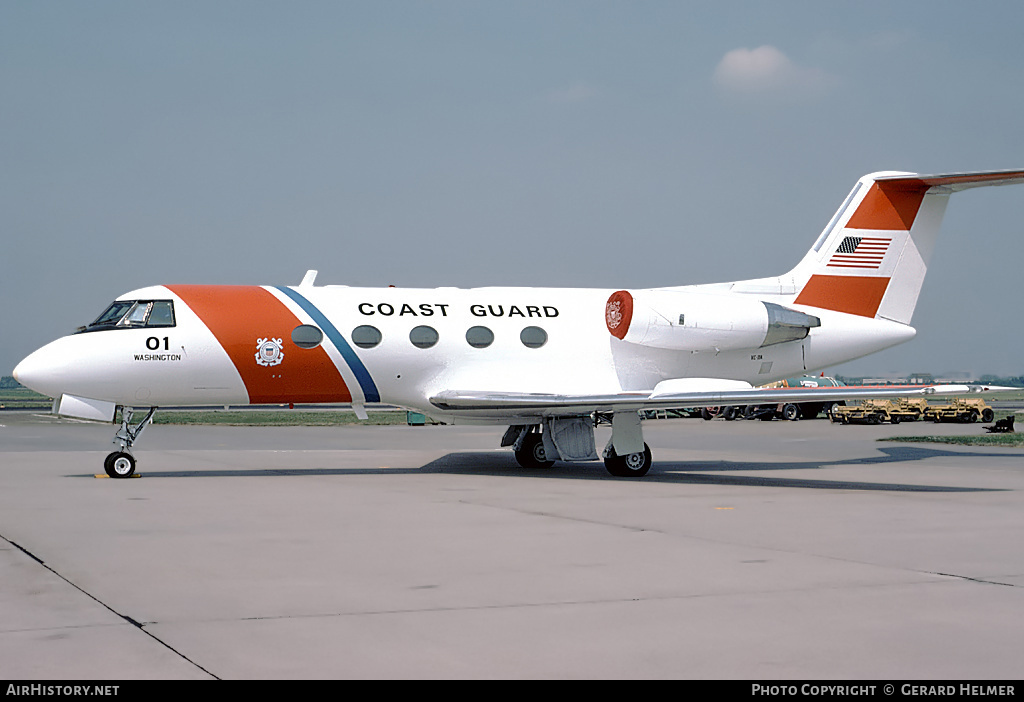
x=585, y=144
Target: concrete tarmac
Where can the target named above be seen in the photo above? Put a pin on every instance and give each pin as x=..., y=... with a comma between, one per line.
x=752, y=550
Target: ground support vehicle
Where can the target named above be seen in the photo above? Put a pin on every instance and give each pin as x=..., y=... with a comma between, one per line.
x=804, y=410
x=907, y=410
x=728, y=413
x=867, y=412
x=781, y=410
x=1003, y=426
x=684, y=413
x=960, y=410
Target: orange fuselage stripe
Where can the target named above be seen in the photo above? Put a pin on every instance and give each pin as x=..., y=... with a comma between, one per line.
x=239, y=316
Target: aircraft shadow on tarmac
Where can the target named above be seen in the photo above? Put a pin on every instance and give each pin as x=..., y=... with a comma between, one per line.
x=678, y=472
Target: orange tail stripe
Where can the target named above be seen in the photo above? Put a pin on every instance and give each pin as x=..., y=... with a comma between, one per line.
x=889, y=206
x=239, y=316
x=844, y=293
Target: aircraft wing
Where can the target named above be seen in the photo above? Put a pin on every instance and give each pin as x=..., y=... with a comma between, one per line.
x=541, y=404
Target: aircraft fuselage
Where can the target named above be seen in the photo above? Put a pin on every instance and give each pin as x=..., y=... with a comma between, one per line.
x=233, y=345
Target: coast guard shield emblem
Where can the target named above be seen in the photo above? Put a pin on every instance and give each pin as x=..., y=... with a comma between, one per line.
x=613, y=314
x=618, y=313
x=269, y=352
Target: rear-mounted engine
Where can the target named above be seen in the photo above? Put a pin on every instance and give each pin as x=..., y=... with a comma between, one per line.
x=686, y=321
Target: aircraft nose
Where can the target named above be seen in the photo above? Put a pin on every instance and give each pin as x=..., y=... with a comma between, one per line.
x=26, y=371
x=38, y=372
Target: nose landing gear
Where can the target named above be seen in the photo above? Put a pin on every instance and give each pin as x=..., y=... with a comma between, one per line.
x=121, y=464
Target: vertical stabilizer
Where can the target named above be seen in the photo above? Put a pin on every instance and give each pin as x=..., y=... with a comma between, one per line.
x=872, y=257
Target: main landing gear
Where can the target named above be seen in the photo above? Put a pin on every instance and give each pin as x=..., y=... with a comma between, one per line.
x=530, y=452
x=121, y=464
x=633, y=465
x=571, y=439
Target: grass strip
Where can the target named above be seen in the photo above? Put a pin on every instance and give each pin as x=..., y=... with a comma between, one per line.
x=1015, y=439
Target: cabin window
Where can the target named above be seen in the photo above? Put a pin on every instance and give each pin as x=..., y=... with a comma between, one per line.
x=366, y=336
x=306, y=336
x=479, y=337
x=423, y=337
x=533, y=337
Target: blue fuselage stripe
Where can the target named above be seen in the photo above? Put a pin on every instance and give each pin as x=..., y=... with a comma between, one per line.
x=358, y=369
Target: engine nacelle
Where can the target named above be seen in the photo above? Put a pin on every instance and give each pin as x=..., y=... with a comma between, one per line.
x=687, y=321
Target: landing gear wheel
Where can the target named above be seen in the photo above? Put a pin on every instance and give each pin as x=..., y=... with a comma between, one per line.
x=119, y=465
x=634, y=465
x=531, y=453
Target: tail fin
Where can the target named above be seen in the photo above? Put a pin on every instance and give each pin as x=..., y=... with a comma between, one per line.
x=872, y=257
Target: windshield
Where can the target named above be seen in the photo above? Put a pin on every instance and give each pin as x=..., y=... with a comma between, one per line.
x=113, y=314
x=128, y=314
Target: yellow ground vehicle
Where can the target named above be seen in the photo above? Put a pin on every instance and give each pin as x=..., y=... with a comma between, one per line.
x=867, y=412
x=905, y=409
x=960, y=410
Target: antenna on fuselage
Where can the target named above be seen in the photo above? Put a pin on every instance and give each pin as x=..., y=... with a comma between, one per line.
x=307, y=280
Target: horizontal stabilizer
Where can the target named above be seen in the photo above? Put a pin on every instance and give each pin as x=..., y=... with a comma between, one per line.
x=957, y=181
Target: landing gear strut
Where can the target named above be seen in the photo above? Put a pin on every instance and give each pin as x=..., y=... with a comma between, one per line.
x=121, y=464
x=627, y=439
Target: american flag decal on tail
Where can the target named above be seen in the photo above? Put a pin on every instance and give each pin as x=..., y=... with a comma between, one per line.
x=860, y=252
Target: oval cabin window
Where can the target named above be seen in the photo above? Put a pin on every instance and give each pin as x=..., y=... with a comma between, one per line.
x=423, y=337
x=366, y=337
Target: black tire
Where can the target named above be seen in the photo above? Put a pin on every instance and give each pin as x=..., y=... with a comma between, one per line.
x=830, y=407
x=987, y=415
x=531, y=453
x=119, y=465
x=730, y=413
x=894, y=419
x=790, y=412
x=635, y=465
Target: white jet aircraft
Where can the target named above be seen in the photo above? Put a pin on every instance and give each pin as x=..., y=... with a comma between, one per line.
x=550, y=363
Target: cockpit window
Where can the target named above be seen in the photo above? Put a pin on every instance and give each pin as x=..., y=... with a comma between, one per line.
x=161, y=314
x=113, y=314
x=132, y=314
x=137, y=315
